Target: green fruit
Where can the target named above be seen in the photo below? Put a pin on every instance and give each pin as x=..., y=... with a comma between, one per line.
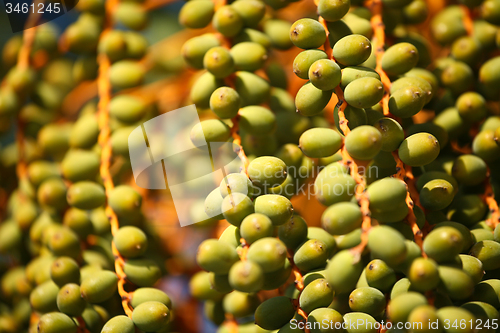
x=225, y=102
x=79, y=222
x=43, y=298
x=488, y=252
x=304, y=60
x=194, y=49
x=368, y=325
x=211, y=130
x=324, y=74
x=127, y=109
x=10, y=237
x=364, y=142
x=251, y=12
x=216, y=256
x=467, y=209
x=119, y=324
x=401, y=306
x=202, y=89
x=481, y=310
x=351, y=73
x=252, y=89
x=355, y=117
x=269, y=253
x=368, y=300
x=352, y=50
x=487, y=291
x=407, y=102
x=342, y=272
x=311, y=255
x=385, y=193
x=333, y=10
x=131, y=242
x=218, y=61
x=220, y=282
x=235, y=207
x=64, y=242
x=424, y=319
x=69, y=300
x=151, y=316
x=212, y=205
x=86, y=195
x=419, y=149
x=310, y=100
x=196, y=14
x=99, y=287
x=455, y=283
x=256, y=226
x=246, y=276
x=387, y=244
x=469, y=170
x=126, y=74
x=472, y=266
x=413, y=80
x=200, y=287
x=364, y=92
x=248, y=56
x=51, y=194
x=56, y=322
x=342, y=218
x=330, y=190
x=379, y=275
x=307, y=34
x=277, y=278
x=142, y=272
x=267, y=171
x=142, y=295
x=435, y=175
x=274, y=313
x=423, y=274
x=279, y=33
x=392, y=133
x=65, y=270
x=316, y=294
x=227, y=21
x=320, y=142
x=443, y=244
x=257, y=120
x=294, y=232
x=463, y=230
x=240, y=304
x=485, y=147
x=399, y=58
x=39, y=171
x=452, y=314
x=437, y=194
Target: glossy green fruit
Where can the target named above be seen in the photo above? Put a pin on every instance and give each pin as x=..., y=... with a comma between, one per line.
x=471, y=106
x=80, y=165
x=330, y=190
x=443, y=244
x=369, y=323
x=225, y=102
x=487, y=291
x=235, y=207
x=142, y=295
x=485, y=147
x=277, y=278
x=342, y=272
x=392, y=133
x=131, y=242
x=99, y=287
x=56, y=322
x=294, y=232
x=274, y=313
x=43, y=298
x=251, y=12
x=310, y=100
x=355, y=117
x=399, y=58
x=385, y=193
x=65, y=270
x=455, y=283
x=257, y=120
x=424, y=319
x=352, y=50
x=311, y=255
x=269, y=253
x=212, y=205
x=419, y=149
x=472, y=266
x=196, y=14
x=219, y=62
x=142, y=272
x=79, y=222
x=379, y=275
x=378, y=240
x=227, y=21
x=127, y=109
x=467, y=209
x=469, y=170
x=351, y=73
x=316, y=294
x=86, y=195
x=307, y=34
x=463, y=230
x=364, y=142
x=10, y=236
x=425, y=81
x=278, y=208
x=119, y=324
x=64, y=242
x=151, y=316
x=450, y=120
x=51, y=194
x=368, y=300
x=252, y=89
x=325, y=74
x=256, y=226
x=437, y=194
x=194, y=49
x=320, y=142
x=304, y=60
x=423, y=274
x=69, y=300
x=435, y=175
x=248, y=56
x=246, y=276
x=333, y=10
x=488, y=252
x=126, y=74
x=407, y=102
x=267, y=171
x=342, y=218
x=211, y=130
x=202, y=89
x=200, y=287
x=452, y=314
x=279, y=33
x=364, y=92
x=401, y=306
x=216, y=256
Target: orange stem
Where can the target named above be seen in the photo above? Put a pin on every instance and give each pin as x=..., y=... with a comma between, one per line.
x=489, y=198
x=467, y=20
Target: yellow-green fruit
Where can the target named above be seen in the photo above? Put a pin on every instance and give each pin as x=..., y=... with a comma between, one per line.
x=119, y=324
x=343, y=271
x=443, y=244
x=423, y=274
x=269, y=253
x=151, y=316
x=364, y=142
x=267, y=171
x=65, y=270
x=142, y=272
x=44, y=297
x=310, y=255
x=452, y=314
x=131, y=242
x=274, y=313
x=99, y=287
x=399, y=58
x=319, y=317
x=196, y=14
x=216, y=256
x=419, y=149
x=437, y=194
x=455, y=283
x=86, y=195
x=488, y=251
x=387, y=244
x=69, y=300
x=369, y=323
x=401, y=306
x=316, y=294
x=320, y=142
x=126, y=74
x=421, y=318
x=56, y=322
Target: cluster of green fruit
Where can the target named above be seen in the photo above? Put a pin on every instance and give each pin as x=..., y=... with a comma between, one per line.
x=58, y=261
x=330, y=274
